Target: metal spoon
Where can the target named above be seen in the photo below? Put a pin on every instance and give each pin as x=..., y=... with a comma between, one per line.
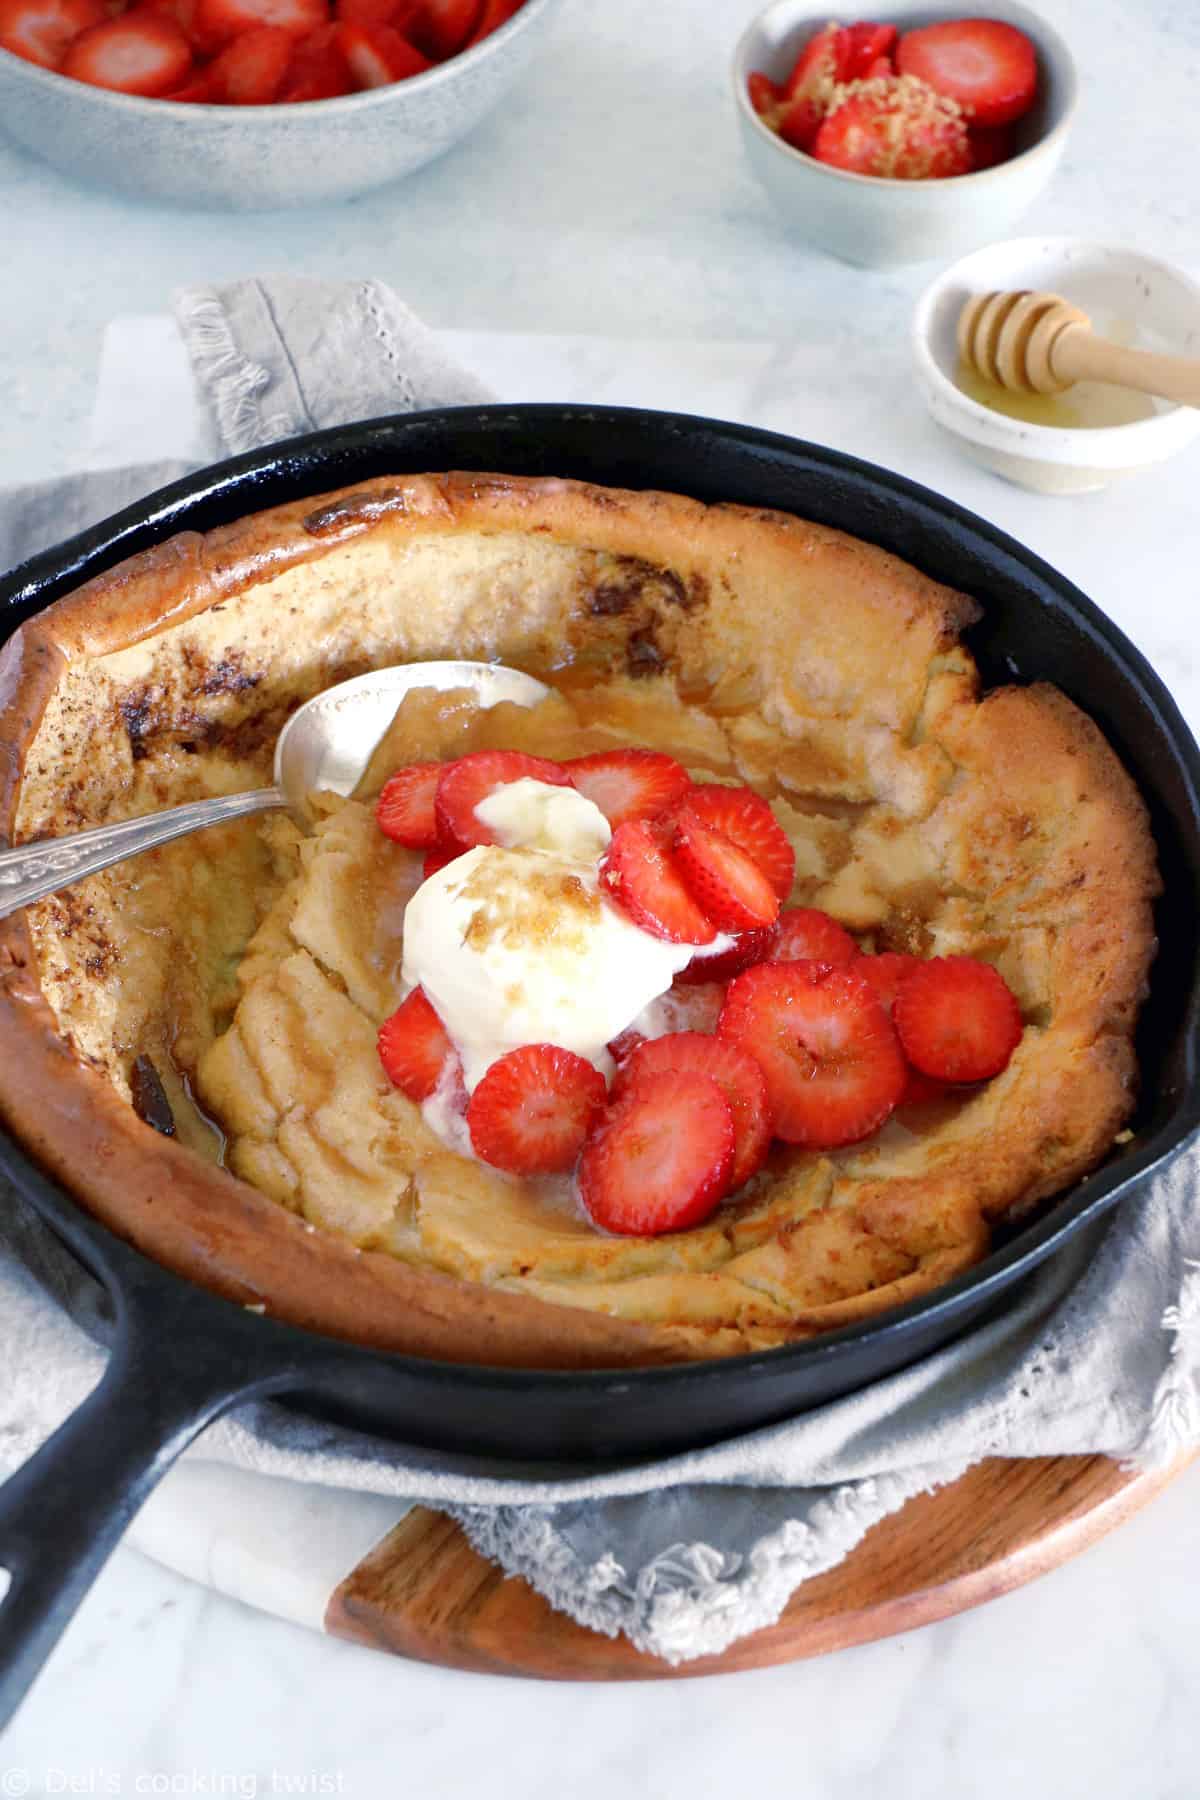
x=327, y=744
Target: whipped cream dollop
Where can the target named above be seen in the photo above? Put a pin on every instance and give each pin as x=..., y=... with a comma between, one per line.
x=517, y=943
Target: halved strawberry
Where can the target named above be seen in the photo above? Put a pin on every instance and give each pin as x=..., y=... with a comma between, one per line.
x=317, y=71
x=862, y=46
x=765, y=97
x=749, y=947
x=414, y=1047
x=437, y=858
x=897, y=128
x=138, y=53
x=832, y=1060
x=736, y=1073
x=493, y=15
x=250, y=70
x=745, y=817
x=441, y=27
x=958, y=1019
x=660, y=1159
x=629, y=784
x=986, y=65
x=807, y=934
x=377, y=55
x=533, y=1109
x=405, y=810
x=40, y=30
x=641, y=875
x=472, y=778
x=728, y=885
x=219, y=20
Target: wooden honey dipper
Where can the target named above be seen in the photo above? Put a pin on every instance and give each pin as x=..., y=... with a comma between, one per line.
x=1040, y=343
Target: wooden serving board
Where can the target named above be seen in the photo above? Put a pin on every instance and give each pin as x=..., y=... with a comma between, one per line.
x=424, y=1593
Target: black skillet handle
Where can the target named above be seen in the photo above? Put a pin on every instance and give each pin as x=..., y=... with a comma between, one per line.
x=63, y=1512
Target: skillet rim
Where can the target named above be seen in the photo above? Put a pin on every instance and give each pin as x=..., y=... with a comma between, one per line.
x=38, y=581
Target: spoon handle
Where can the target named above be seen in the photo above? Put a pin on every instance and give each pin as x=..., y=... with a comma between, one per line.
x=1076, y=355
x=32, y=871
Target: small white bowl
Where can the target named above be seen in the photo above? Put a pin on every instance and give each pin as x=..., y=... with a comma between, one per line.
x=1130, y=297
x=247, y=158
x=874, y=223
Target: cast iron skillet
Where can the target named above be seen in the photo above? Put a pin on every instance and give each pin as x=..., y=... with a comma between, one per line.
x=180, y=1356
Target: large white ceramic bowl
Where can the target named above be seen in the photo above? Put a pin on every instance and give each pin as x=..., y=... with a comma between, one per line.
x=249, y=158
x=866, y=220
x=1130, y=297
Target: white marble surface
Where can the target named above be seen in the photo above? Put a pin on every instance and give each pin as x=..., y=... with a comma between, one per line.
x=609, y=200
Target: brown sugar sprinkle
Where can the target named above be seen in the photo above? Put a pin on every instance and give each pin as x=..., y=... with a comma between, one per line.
x=913, y=127
x=549, y=906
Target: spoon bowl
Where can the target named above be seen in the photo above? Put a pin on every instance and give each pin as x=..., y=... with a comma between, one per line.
x=326, y=745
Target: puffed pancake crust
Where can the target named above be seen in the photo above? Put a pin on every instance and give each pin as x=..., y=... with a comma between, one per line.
x=755, y=647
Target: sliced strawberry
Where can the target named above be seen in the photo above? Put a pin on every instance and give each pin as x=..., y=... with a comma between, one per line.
x=808, y=934
x=920, y=1089
x=629, y=784
x=899, y=129
x=745, y=817
x=821, y=65
x=138, y=53
x=472, y=778
x=643, y=878
x=885, y=972
x=987, y=66
x=728, y=885
x=250, y=71
x=219, y=20
x=863, y=45
x=493, y=15
x=318, y=70
x=373, y=12
x=958, y=1019
x=437, y=858
x=441, y=27
x=533, y=1109
x=40, y=30
x=749, y=947
x=765, y=97
x=989, y=145
x=405, y=809
x=625, y=1043
x=833, y=1064
x=182, y=13
x=735, y=1072
x=199, y=91
x=661, y=1159
x=414, y=1047
x=800, y=121
x=377, y=55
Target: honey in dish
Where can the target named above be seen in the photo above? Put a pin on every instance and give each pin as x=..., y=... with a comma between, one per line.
x=1086, y=406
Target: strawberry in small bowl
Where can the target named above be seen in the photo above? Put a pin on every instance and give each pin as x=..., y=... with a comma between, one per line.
x=250, y=104
x=906, y=136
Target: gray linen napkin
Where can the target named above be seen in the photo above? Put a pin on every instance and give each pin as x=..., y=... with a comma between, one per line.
x=1099, y=1351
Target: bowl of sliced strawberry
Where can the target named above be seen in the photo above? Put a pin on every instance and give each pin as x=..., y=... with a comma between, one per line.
x=251, y=104
x=902, y=138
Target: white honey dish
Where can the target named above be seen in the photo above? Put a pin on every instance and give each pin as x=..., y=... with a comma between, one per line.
x=1133, y=298
x=877, y=223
